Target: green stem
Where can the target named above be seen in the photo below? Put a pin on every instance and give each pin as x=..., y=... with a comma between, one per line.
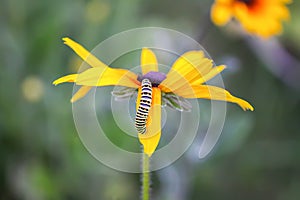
x=146, y=178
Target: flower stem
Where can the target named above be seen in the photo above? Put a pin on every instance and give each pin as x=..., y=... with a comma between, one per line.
x=146, y=178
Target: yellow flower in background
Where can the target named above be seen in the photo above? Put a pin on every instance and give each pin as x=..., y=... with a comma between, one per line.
x=259, y=17
x=185, y=80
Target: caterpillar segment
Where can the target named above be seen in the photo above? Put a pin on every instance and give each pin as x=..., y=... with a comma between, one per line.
x=144, y=106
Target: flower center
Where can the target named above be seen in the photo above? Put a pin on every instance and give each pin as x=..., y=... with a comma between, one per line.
x=154, y=77
x=248, y=2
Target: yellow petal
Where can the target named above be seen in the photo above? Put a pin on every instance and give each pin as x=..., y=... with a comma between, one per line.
x=228, y=2
x=212, y=73
x=198, y=81
x=187, y=68
x=84, y=54
x=280, y=11
x=188, y=62
x=108, y=76
x=151, y=138
x=148, y=61
x=81, y=93
x=214, y=93
x=221, y=13
x=64, y=79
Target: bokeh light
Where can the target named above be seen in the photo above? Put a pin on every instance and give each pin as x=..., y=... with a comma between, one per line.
x=32, y=89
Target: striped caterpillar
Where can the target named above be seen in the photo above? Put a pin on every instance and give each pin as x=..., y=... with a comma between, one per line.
x=144, y=106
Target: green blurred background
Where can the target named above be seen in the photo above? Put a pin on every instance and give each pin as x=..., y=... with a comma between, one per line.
x=257, y=156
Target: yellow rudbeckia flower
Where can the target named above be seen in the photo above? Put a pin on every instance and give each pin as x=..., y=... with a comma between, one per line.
x=259, y=17
x=185, y=79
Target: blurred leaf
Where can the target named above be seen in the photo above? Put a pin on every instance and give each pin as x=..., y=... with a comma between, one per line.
x=176, y=102
x=123, y=93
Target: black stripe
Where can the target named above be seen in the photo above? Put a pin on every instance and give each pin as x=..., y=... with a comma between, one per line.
x=145, y=89
x=140, y=124
x=146, y=93
x=140, y=127
x=147, y=97
x=142, y=111
x=140, y=120
x=139, y=115
x=145, y=105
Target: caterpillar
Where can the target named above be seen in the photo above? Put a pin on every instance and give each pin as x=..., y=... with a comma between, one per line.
x=144, y=106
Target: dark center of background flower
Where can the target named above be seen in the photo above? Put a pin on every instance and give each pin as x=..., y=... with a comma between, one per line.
x=154, y=77
x=248, y=2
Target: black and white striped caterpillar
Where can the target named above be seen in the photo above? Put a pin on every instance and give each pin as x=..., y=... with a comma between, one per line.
x=144, y=107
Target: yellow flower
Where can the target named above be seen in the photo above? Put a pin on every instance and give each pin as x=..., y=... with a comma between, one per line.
x=185, y=79
x=259, y=17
